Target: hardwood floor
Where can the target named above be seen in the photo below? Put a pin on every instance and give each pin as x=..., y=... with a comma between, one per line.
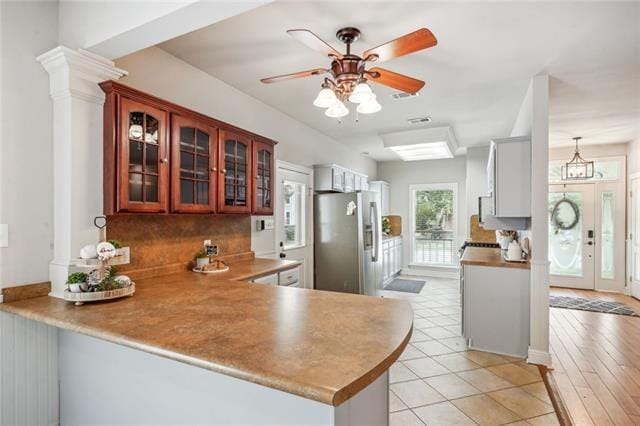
x=596, y=361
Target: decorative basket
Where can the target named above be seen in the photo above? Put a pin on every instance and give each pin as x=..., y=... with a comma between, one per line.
x=96, y=296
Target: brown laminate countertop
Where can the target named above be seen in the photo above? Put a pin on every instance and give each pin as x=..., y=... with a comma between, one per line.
x=320, y=345
x=485, y=256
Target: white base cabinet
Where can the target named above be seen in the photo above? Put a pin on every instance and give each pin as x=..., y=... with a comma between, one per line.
x=495, y=309
x=391, y=258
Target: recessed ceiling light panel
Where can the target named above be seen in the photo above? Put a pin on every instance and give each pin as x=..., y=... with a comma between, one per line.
x=423, y=151
x=423, y=144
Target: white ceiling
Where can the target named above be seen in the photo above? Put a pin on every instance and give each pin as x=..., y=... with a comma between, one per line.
x=476, y=76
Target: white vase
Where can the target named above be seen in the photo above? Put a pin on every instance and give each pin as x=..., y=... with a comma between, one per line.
x=201, y=262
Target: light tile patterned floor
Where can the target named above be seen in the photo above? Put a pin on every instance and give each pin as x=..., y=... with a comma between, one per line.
x=437, y=381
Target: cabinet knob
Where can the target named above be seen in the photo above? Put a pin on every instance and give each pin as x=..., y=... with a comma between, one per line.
x=165, y=160
x=223, y=171
x=213, y=169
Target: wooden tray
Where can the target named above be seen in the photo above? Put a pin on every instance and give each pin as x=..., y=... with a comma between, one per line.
x=96, y=296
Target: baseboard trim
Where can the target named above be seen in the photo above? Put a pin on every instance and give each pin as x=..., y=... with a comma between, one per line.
x=539, y=357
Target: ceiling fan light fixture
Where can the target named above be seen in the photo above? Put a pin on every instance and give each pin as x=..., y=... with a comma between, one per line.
x=362, y=93
x=325, y=99
x=337, y=110
x=369, y=107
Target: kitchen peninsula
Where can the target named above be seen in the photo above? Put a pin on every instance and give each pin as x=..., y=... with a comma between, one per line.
x=190, y=348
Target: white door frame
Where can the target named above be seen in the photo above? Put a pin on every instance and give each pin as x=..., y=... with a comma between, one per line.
x=633, y=269
x=307, y=268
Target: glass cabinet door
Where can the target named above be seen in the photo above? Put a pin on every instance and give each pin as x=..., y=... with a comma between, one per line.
x=263, y=178
x=233, y=188
x=143, y=156
x=193, y=154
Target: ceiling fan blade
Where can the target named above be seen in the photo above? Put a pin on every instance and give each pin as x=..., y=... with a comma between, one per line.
x=409, y=43
x=276, y=79
x=311, y=40
x=392, y=79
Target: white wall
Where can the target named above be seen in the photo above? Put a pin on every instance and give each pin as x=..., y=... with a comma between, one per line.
x=86, y=23
x=401, y=174
x=114, y=28
x=476, y=178
x=26, y=169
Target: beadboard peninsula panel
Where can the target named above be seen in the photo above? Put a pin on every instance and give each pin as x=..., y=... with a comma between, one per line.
x=29, y=372
x=161, y=240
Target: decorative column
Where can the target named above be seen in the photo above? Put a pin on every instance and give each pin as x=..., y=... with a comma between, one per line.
x=539, y=328
x=77, y=151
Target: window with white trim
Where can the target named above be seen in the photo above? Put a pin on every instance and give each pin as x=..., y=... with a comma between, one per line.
x=433, y=224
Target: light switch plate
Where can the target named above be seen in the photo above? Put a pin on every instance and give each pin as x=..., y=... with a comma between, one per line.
x=4, y=235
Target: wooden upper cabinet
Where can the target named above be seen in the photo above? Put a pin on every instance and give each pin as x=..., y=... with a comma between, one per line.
x=161, y=158
x=193, y=165
x=263, y=178
x=142, y=158
x=234, y=188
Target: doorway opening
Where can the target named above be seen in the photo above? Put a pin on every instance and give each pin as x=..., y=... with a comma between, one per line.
x=294, y=218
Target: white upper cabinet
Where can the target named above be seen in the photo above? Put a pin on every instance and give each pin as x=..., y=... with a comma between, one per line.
x=509, y=177
x=334, y=178
x=381, y=187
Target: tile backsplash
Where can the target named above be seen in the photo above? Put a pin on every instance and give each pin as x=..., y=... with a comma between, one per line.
x=162, y=240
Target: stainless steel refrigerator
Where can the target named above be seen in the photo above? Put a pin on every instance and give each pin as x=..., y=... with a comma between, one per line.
x=348, y=242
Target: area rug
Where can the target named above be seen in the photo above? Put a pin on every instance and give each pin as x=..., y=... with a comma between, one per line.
x=408, y=286
x=593, y=305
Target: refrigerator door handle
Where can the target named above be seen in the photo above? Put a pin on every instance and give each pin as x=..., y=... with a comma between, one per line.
x=376, y=232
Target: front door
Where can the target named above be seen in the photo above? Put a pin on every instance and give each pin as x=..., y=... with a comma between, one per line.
x=571, y=236
x=294, y=218
x=635, y=236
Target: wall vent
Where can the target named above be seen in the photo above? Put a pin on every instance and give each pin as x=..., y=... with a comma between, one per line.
x=403, y=95
x=418, y=120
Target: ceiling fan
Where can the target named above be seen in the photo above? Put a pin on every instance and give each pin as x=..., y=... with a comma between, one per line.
x=349, y=72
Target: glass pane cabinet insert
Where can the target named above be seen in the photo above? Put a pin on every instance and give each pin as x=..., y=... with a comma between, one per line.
x=143, y=156
x=263, y=186
x=194, y=166
x=235, y=153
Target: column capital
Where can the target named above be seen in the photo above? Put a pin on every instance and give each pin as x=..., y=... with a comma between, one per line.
x=76, y=73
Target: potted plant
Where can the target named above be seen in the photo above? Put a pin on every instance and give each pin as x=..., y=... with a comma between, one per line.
x=202, y=258
x=77, y=282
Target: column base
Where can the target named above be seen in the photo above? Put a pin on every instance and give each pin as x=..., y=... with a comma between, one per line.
x=539, y=358
x=58, y=273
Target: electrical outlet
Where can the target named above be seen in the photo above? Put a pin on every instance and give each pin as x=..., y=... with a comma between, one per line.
x=269, y=224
